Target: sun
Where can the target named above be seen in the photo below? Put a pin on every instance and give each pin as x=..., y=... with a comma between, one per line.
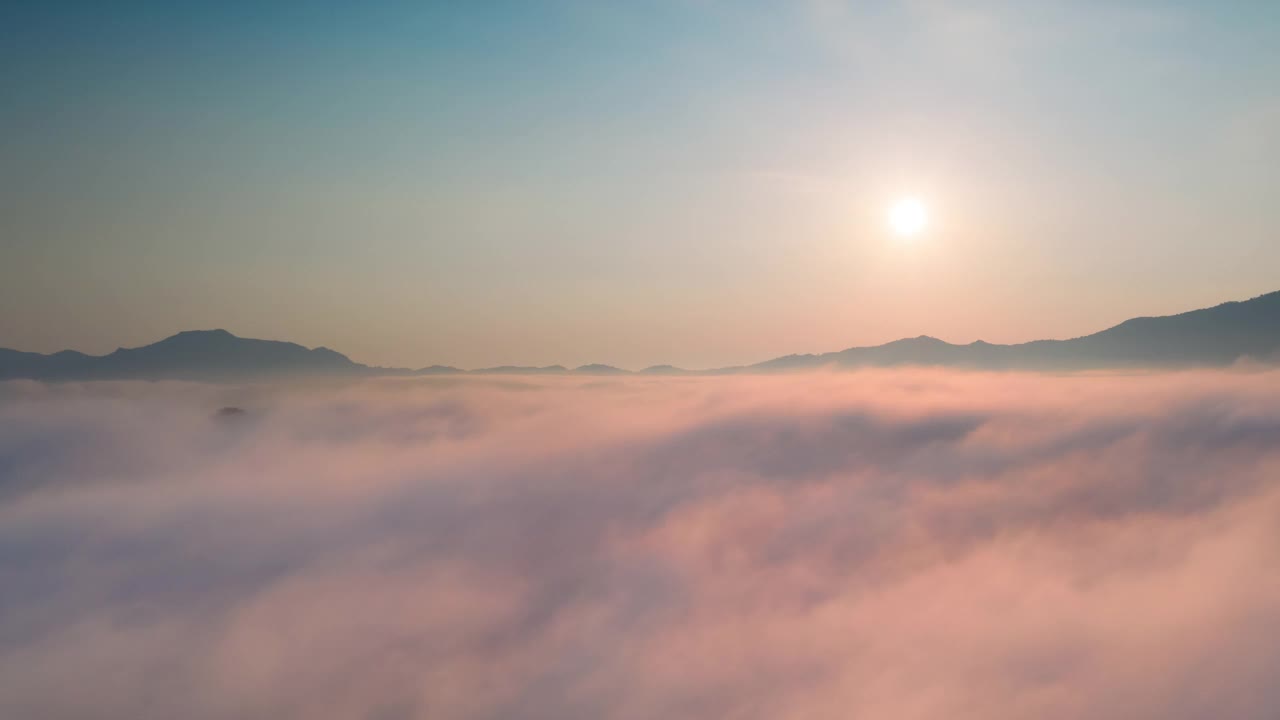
x=908, y=217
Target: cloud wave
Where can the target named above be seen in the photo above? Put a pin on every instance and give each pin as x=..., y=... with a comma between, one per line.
x=907, y=544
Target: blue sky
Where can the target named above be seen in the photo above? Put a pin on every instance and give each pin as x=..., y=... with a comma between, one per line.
x=695, y=182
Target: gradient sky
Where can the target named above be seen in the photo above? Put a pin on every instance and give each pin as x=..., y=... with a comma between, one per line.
x=696, y=182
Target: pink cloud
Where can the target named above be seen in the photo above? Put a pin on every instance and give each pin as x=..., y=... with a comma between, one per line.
x=905, y=544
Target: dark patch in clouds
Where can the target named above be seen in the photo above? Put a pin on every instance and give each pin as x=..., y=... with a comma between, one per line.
x=908, y=544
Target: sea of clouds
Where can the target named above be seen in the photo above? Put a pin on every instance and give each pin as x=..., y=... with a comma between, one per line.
x=905, y=544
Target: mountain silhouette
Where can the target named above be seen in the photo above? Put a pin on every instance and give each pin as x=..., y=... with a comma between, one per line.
x=1215, y=336
x=437, y=370
x=598, y=369
x=663, y=370
x=522, y=370
x=190, y=355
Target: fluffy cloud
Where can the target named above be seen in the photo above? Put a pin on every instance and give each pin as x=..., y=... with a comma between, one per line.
x=903, y=544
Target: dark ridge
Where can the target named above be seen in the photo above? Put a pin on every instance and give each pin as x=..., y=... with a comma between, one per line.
x=522, y=370
x=438, y=370
x=190, y=355
x=1212, y=337
x=662, y=370
x=597, y=369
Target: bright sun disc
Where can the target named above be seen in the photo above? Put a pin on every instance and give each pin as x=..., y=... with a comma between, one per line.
x=908, y=217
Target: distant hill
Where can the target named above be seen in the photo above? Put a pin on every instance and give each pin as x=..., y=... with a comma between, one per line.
x=191, y=355
x=522, y=370
x=437, y=370
x=1214, y=336
x=598, y=369
x=663, y=370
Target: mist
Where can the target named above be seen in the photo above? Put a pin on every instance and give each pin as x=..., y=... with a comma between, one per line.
x=908, y=544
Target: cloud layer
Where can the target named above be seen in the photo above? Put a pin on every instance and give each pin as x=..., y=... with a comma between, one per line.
x=901, y=544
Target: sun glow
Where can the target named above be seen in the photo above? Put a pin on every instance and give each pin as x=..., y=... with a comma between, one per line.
x=908, y=217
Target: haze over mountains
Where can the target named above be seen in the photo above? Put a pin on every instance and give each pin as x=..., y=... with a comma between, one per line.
x=1215, y=336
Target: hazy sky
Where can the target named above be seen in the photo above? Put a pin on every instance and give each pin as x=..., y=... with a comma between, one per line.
x=698, y=182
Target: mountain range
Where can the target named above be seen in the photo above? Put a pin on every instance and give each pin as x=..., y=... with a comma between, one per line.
x=1215, y=336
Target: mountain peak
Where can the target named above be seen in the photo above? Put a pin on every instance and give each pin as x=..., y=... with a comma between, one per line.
x=600, y=369
x=215, y=333
x=661, y=370
x=197, y=337
x=192, y=355
x=1215, y=336
x=920, y=340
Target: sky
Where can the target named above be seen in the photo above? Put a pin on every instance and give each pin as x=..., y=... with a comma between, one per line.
x=694, y=182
